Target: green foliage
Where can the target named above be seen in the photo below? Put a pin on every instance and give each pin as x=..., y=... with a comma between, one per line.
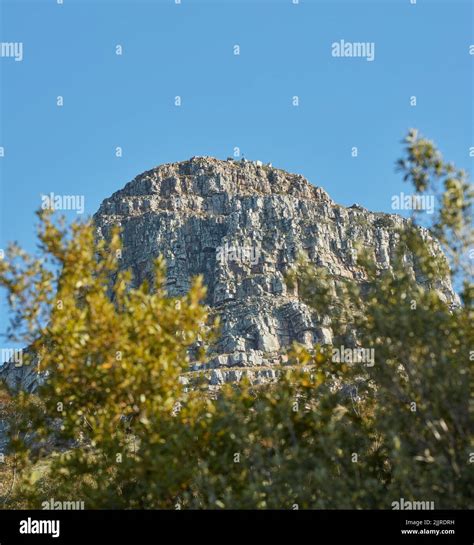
x=420, y=382
x=424, y=167
x=113, y=426
x=384, y=221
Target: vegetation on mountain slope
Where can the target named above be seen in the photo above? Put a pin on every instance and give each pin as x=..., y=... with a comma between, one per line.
x=113, y=425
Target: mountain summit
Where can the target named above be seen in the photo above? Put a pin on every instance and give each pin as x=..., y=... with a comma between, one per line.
x=242, y=225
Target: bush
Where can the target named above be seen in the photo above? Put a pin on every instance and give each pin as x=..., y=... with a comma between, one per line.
x=113, y=426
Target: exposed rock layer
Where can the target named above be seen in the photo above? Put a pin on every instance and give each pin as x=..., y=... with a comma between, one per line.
x=242, y=225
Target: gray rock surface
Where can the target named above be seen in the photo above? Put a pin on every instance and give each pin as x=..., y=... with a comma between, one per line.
x=241, y=225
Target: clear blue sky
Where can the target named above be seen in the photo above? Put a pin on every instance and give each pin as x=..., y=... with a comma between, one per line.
x=227, y=100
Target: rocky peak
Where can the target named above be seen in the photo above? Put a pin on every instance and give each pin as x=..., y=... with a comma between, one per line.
x=203, y=177
x=242, y=224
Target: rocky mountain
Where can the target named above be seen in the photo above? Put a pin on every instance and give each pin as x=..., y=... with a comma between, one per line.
x=241, y=225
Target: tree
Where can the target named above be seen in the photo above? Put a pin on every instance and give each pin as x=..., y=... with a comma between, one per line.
x=113, y=425
x=109, y=357
x=420, y=383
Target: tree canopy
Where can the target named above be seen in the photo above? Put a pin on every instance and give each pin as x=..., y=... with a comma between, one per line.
x=112, y=423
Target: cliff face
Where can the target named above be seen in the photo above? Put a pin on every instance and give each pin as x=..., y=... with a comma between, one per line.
x=242, y=225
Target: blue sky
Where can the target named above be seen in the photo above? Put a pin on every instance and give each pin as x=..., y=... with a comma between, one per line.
x=228, y=100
